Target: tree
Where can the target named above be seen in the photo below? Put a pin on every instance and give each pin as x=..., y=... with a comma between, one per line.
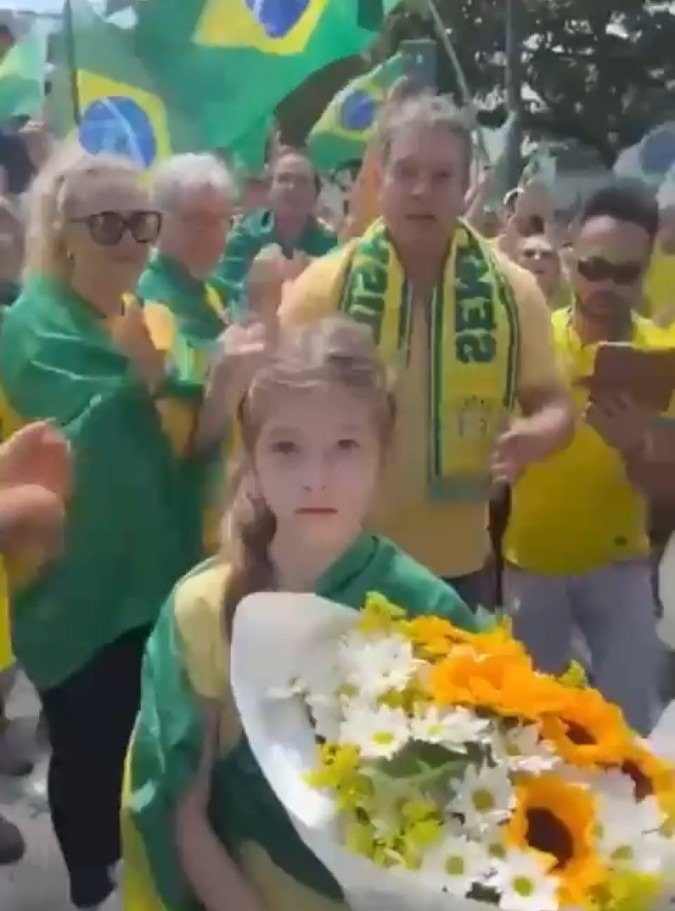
x=601, y=72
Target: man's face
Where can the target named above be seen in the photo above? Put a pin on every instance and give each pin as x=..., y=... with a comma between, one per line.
x=293, y=189
x=195, y=230
x=609, y=263
x=423, y=183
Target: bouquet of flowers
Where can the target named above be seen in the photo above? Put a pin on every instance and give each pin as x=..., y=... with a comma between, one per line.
x=432, y=768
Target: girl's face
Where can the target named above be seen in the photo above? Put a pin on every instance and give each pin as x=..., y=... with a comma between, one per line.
x=317, y=461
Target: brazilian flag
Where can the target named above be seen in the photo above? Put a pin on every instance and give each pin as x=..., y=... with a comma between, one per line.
x=345, y=128
x=104, y=94
x=231, y=62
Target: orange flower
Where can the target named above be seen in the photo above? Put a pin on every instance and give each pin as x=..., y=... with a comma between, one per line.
x=556, y=818
x=506, y=685
x=436, y=637
x=588, y=731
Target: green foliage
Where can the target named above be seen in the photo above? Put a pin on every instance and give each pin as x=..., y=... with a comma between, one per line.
x=597, y=71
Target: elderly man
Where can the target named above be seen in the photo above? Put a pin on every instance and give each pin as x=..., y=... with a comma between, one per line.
x=468, y=331
x=195, y=194
x=289, y=222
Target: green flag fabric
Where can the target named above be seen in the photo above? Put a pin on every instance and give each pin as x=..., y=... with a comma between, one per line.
x=187, y=662
x=133, y=523
x=347, y=125
x=22, y=76
x=232, y=62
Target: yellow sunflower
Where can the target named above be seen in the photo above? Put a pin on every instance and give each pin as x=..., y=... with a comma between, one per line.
x=556, y=818
x=651, y=775
x=436, y=637
x=504, y=684
x=588, y=731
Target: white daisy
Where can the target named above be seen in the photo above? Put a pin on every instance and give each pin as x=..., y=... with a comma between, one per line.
x=456, y=864
x=379, y=732
x=484, y=797
x=376, y=664
x=454, y=729
x=523, y=750
x=524, y=883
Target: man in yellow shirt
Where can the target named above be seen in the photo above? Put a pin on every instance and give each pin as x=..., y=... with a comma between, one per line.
x=576, y=544
x=659, y=288
x=468, y=333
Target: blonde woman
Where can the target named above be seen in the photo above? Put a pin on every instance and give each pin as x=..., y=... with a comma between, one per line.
x=75, y=348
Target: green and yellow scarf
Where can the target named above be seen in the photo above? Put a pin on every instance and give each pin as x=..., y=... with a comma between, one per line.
x=473, y=343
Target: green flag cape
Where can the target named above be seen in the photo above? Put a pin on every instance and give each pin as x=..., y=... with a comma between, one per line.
x=133, y=519
x=187, y=660
x=191, y=301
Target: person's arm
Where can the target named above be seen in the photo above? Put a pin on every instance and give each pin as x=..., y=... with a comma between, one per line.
x=546, y=422
x=214, y=878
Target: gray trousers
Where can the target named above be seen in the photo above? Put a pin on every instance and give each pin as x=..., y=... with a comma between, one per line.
x=614, y=611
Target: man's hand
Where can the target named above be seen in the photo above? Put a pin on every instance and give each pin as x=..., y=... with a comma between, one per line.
x=37, y=455
x=241, y=350
x=621, y=422
x=520, y=445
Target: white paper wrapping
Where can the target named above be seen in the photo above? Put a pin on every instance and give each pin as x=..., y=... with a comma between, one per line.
x=271, y=634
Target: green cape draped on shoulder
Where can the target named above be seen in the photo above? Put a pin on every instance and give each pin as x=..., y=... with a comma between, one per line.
x=133, y=520
x=187, y=661
x=198, y=308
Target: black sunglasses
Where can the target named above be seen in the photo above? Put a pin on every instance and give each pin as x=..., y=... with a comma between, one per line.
x=597, y=269
x=108, y=228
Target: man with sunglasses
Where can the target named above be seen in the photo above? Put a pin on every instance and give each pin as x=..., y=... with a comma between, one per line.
x=576, y=545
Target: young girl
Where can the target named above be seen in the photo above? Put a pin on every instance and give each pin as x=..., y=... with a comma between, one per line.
x=202, y=827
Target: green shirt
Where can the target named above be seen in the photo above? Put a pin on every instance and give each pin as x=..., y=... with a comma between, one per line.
x=252, y=234
x=196, y=305
x=187, y=660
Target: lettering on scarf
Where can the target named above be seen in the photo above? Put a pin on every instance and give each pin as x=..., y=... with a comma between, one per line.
x=475, y=322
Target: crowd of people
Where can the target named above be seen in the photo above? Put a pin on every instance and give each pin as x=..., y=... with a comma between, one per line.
x=209, y=390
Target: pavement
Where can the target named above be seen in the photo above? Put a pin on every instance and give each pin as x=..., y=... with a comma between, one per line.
x=38, y=882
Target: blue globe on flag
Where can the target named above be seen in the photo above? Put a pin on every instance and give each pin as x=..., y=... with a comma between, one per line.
x=119, y=126
x=278, y=17
x=657, y=150
x=358, y=111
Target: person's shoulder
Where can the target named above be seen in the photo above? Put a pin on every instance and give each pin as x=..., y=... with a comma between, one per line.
x=197, y=598
x=316, y=292
x=410, y=585
x=647, y=334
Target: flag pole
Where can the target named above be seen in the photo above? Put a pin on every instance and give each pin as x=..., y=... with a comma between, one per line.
x=467, y=97
x=72, y=62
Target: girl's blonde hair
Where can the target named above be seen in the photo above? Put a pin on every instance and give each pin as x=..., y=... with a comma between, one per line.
x=334, y=351
x=51, y=198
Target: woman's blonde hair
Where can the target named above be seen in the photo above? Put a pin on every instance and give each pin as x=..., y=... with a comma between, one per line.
x=50, y=200
x=334, y=351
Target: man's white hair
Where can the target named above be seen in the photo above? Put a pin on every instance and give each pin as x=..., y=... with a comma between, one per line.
x=191, y=171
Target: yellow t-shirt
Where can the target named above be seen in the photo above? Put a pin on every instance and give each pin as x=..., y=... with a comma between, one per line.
x=577, y=511
x=659, y=288
x=451, y=539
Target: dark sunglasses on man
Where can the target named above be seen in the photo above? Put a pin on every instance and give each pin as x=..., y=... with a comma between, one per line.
x=108, y=228
x=598, y=269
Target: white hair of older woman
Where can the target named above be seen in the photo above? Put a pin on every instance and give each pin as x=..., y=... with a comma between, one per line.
x=51, y=197
x=190, y=171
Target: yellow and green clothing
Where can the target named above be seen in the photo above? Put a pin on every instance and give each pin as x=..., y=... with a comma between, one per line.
x=251, y=234
x=659, y=288
x=576, y=511
x=198, y=309
x=134, y=516
x=186, y=662
x=461, y=363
